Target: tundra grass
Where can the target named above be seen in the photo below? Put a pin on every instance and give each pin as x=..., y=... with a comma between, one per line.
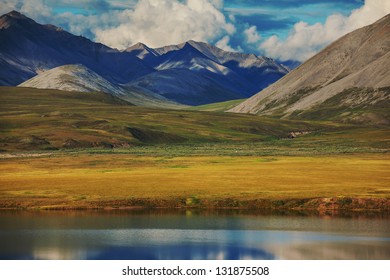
x=217, y=107
x=61, y=149
x=34, y=119
x=116, y=180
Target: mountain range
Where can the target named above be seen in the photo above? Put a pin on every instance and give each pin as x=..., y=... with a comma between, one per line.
x=349, y=80
x=192, y=73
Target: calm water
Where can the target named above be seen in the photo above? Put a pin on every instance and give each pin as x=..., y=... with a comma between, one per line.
x=187, y=235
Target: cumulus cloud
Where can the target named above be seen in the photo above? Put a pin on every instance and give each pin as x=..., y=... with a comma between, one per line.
x=157, y=23
x=44, y=11
x=305, y=40
x=252, y=35
x=36, y=9
x=86, y=25
x=162, y=22
x=154, y=22
x=224, y=44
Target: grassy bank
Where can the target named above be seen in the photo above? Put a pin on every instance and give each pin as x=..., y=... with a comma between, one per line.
x=123, y=180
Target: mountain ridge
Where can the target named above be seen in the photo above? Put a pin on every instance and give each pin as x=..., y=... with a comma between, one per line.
x=360, y=59
x=245, y=73
x=28, y=48
x=78, y=78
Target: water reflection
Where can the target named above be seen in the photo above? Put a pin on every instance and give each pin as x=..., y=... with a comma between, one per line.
x=123, y=235
x=184, y=252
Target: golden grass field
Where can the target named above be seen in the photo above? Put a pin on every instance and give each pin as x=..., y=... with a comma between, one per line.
x=77, y=150
x=86, y=180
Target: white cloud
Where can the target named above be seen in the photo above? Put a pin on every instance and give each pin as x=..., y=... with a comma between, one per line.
x=162, y=22
x=33, y=8
x=252, y=35
x=86, y=25
x=154, y=22
x=306, y=40
x=232, y=18
x=224, y=44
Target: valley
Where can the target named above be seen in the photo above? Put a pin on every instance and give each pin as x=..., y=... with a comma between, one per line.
x=85, y=126
x=133, y=132
x=72, y=150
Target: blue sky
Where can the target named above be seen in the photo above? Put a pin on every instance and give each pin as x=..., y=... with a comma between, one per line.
x=271, y=17
x=282, y=29
x=279, y=16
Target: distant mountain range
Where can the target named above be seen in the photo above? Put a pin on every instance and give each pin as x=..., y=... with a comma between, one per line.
x=192, y=73
x=348, y=81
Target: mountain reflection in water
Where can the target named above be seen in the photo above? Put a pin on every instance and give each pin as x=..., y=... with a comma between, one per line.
x=170, y=236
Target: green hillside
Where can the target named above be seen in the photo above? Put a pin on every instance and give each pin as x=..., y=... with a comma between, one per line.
x=35, y=119
x=69, y=150
x=217, y=107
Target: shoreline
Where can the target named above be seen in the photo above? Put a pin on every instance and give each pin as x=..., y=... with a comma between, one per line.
x=319, y=205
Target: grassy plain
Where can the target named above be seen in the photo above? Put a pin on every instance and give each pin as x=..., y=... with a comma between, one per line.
x=217, y=107
x=77, y=150
x=98, y=180
x=50, y=119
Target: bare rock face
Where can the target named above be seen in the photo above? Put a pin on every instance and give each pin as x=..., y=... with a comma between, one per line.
x=360, y=59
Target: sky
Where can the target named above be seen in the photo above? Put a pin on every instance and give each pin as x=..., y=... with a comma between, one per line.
x=281, y=29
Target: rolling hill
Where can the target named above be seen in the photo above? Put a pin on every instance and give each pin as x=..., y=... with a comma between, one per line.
x=81, y=79
x=49, y=119
x=72, y=78
x=41, y=119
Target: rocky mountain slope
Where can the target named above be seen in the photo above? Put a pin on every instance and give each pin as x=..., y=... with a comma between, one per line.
x=81, y=79
x=206, y=73
x=191, y=73
x=72, y=78
x=352, y=73
x=28, y=48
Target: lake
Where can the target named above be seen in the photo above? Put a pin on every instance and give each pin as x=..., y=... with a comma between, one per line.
x=184, y=235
